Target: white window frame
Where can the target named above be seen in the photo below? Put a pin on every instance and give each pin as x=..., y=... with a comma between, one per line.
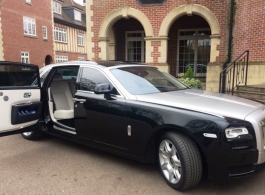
x=29, y=26
x=28, y=1
x=57, y=7
x=60, y=35
x=44, y=32
x=195, y=37
x=59, y=58
x=77, y=15
x=25, y=57
x=81, y=59
x=80, y=39
x=135, y=39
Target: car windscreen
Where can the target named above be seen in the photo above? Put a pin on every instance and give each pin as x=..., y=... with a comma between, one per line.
x=139, y=80
x=18, y=75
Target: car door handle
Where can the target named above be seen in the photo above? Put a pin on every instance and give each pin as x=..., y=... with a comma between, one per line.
x=79, y=100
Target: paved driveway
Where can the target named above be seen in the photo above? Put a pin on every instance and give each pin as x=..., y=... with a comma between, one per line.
x=55, y=166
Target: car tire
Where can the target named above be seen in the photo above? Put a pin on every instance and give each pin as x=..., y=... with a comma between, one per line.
x=179, y=161
x=33, y=135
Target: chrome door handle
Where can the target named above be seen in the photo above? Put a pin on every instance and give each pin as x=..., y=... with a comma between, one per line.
x=79, y=100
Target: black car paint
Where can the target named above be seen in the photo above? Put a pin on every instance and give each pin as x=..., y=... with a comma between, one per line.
x=107, y=121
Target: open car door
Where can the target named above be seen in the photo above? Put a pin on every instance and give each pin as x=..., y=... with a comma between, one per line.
x=20, y=95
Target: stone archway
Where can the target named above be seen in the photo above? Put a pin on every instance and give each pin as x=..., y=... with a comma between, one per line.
x=190, y=9
x=106, y=39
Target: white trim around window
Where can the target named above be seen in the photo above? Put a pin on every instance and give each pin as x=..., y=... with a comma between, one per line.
x=44, y=32
x=29, y=26
x=80, y=39
x=57, y=7
x=61, y=59
x=25, y=57
x=60, y=35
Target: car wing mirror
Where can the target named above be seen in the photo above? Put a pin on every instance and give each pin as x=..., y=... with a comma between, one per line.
x=104, y=88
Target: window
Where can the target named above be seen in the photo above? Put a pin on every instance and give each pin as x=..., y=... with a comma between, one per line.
x=44, y=32
x=77, y=15
x=135, y=46
x=43, y=77
x=139, y=80
x=28, y=1
x=61, y=58
x=80, y=39
x=57, y=7
x=151, y=2
x=194, y=47
x=81, y=58
x=60, y=35
x=68, y=74
x=92, y=77
x=29, y=26
x=25, y=57
x=17, y=75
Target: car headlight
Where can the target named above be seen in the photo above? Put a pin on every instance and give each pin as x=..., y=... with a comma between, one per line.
x=234, y=132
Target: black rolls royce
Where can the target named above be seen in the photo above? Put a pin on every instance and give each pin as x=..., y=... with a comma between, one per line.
x=137, y=111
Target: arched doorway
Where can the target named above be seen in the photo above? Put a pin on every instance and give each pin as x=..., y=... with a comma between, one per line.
x=135, y=26
x=189, y=45
x=129, y=40
x=190, y=12
x=48, y=60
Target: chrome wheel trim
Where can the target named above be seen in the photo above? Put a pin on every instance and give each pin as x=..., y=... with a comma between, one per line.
x=27, y=133
x=169, y=161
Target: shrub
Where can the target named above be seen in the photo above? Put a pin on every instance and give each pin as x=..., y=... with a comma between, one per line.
x=189, y=73
x=189, y=80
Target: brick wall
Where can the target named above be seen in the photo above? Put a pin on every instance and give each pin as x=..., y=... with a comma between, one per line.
x=14, y=40
x=249, y=33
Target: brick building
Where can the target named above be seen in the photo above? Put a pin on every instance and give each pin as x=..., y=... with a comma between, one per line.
x=26, y=31
x=174, y=35
x=42, y=32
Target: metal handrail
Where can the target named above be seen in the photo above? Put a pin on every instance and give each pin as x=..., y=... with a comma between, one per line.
x=234, y=74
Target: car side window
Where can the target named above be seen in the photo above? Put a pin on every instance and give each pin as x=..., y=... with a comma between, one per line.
x=43, y=77
x=92, y=77
x=18, y=76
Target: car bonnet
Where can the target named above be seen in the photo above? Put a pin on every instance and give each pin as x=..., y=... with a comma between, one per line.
x=206, y=102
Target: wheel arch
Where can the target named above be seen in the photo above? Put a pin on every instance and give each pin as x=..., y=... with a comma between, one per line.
x=151, y=155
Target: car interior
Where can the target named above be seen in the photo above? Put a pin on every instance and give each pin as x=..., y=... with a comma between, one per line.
x=61, y=93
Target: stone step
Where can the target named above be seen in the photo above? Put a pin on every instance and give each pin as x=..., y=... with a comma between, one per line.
x=252, y=88
x=250, y=95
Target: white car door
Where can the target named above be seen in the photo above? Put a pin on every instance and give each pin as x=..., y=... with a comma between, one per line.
x=20, y=95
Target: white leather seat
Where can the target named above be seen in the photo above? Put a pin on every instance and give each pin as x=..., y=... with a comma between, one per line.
x=62, y=97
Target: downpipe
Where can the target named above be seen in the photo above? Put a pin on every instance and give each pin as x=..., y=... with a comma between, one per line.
x=230, y=39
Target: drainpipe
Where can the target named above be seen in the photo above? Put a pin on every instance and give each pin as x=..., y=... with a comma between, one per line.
x=230, y=39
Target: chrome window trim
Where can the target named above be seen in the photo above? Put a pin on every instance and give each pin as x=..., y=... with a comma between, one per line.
x=91, y=92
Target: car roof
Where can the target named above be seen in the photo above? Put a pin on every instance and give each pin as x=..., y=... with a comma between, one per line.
x=99, y=63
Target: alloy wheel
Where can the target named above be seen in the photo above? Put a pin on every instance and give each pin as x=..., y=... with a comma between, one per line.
x=169, y=161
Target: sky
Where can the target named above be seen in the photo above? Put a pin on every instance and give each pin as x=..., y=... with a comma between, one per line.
x=79, y=1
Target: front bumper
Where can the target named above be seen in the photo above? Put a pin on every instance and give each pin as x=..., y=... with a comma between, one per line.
x=245, y=170
x=223, y=166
